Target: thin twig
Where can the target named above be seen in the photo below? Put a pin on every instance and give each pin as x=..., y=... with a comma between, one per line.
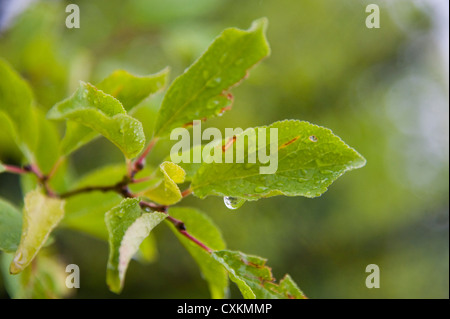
x=15, y=169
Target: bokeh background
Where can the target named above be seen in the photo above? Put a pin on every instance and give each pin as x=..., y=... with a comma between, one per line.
x=383, y=91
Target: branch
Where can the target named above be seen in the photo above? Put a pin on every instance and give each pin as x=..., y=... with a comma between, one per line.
x=139, y=163
x=179, y=225
x=16, y=169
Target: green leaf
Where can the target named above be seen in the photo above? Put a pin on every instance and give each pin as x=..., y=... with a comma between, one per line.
x=86, y=212
x=76, y=136
x=46, y=151
x=201, y=227
x=41, y=215
x=254, y=279
x=129, y=89
x=16, y=103
x=202, y=90
x=128, y=225
x=148, y=252
x=104, y=114
x=167, y=191
x=45, y=280
x=10, y=226
x=2, y=168
x=309, y=159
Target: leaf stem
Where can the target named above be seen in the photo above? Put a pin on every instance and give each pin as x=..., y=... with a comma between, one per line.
x=195, y=240
x=179, y=225
x=55, y=167
x=139, y=163
x=16, y=169
x=186, y=192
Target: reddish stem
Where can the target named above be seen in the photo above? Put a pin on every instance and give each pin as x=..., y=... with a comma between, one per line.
x=195, y=240
x=186, y=192
x=15, y=169
x=139, y=163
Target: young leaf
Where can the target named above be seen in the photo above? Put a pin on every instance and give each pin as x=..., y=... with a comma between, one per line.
x=40, y=216
x=10, y=226
x=167, y=192
x=309, y=158
x=202, y=90
x=104, y=114
x=128, y=225
x=129, y=89
x=202, y=228
x=254, y=279
x=16, y=103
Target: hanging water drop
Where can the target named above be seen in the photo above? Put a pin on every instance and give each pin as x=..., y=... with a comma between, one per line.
x=233, y=202
x=313, y=138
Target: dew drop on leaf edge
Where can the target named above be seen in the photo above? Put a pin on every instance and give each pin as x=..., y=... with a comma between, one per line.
x=233, y=202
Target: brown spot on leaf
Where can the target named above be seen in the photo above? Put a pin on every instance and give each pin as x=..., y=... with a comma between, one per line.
x=289, y=142
x=229, y=143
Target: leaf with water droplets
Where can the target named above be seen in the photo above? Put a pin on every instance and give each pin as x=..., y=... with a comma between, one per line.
x=254, y=279
x=305, y=159
x=129, y=89
x=102, y=113
x=128, y=225
x=202, y=90
x=202, y=227
x=167, y=191
x=40, y=216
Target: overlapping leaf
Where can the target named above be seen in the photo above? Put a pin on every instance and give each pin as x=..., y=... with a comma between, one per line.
x=309, y=158
x=167, y=191
x=45, y=280
x=202, y=228
x=254, y=279
x=202, y=90
x=10, y=226
x=129, y=89
x=104, y=114
x=41, y=215
x=16, y=103
x=128, y=225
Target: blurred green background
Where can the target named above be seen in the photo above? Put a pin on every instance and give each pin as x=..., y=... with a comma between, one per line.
x=383, y=91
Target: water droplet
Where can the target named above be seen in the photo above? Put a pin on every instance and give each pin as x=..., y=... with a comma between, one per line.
x=233, y=202
x=302, y=180
x=212, y=104
x=326, y=171
x=279, y=184
x=313, y=138
x=239, y=62
x=214, y=82
x=260, y=189
x=223, y=58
